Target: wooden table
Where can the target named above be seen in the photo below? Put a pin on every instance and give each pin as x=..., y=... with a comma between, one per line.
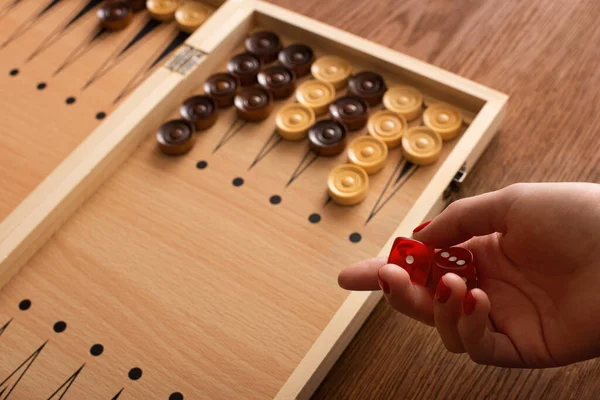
x=545, y=55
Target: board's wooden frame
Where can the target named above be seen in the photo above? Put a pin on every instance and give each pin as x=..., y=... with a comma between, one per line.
x=39, y=216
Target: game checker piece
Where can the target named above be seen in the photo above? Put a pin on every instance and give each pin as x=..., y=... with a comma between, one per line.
x=422, y=262
x=444, y=119
x=369, y=86
x=191, y=15
x=176, y=137
x=222, y=87
x=200, y=111
x=404, y=100
x=294, y=120
x=115, y=15
x=298, y=58
x=369, y=153
x=348, y=184
x=265, y=45
x=352, y=111
x=162, y=10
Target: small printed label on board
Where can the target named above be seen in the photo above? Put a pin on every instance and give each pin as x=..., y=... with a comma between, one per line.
x=185, y=59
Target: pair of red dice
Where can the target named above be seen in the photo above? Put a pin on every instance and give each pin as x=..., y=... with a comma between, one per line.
x=423, y=263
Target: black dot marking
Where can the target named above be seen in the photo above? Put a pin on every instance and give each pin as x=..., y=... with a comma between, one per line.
x=176, y=396
x=201, y=164
x=60, y=326
x=238, y=182
x=96, y=350
x=275, y=199
x=14, y=72
x=70, y=100
x=24, y=305
x=100, y=115
x=135, y=374
x=314, y=218
x=355, y=237
x=41, y=86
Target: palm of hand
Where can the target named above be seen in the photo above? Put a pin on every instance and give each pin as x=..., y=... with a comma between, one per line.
x=542, y=281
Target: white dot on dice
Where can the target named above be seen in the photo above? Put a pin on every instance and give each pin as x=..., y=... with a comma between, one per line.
x=410, y=259
x=445, y=254
x=452, y=258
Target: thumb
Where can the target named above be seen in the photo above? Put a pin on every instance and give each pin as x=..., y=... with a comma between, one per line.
x=466, y=218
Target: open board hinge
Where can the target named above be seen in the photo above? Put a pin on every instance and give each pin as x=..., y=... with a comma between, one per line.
x=453, y=188
x=186, y=58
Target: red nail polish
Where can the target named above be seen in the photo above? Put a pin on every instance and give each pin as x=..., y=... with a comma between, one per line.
x=420, y=227
x=469, y=303
x=383, y=284
x=442, y=292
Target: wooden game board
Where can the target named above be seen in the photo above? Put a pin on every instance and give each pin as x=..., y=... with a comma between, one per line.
x=170, y=281
x=65, y=74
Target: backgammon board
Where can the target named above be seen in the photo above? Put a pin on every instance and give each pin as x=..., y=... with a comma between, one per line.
x=211, y=271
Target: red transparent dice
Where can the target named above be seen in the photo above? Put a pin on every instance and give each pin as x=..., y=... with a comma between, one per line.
x=458, y=261
x=415, y=257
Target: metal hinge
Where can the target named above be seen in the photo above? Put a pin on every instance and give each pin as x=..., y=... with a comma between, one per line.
x=454, y=187
x=186, y=58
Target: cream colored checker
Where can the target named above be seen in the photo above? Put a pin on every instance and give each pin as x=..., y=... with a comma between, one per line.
x=294, y=120
x=332, y=69
x=191, y=15
x=444, y=119
x=388, y=127
x=369, y=153
x=421, y=145
x=316, y=95
x=162, y=10
x=348, y=184
x=404, y=100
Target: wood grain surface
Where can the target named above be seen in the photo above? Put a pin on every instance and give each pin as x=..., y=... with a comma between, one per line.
x=544, y=55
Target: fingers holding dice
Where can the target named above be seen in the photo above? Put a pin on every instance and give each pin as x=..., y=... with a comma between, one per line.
x=411, y=300
x=447, y=310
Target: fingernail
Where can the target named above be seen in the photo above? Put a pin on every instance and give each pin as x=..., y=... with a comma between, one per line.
x=420, y=227
x=469, y=303
x=442, y=292
x=383, y=284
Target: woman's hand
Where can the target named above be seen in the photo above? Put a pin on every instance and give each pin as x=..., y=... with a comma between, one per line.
x=537, y=252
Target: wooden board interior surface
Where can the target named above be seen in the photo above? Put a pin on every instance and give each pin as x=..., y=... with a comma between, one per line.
x=207, y=288
x=59, y=46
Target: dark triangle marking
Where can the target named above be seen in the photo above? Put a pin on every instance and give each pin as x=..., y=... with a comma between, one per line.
x=112, y=61
x=5, y=326
x=146, y=29
x=4, y=11
x=303, y=165
x=327, y=201
x=118, y=394
x=59, y=31
x=269, y=145
x=84, y=10
x=407, y=166
x=25, y=26
x=400, y=163
x=396, y=189
x=81, y=50
x=28, y=362
x=67, y=383
x=175, y=42
x=231, y=132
